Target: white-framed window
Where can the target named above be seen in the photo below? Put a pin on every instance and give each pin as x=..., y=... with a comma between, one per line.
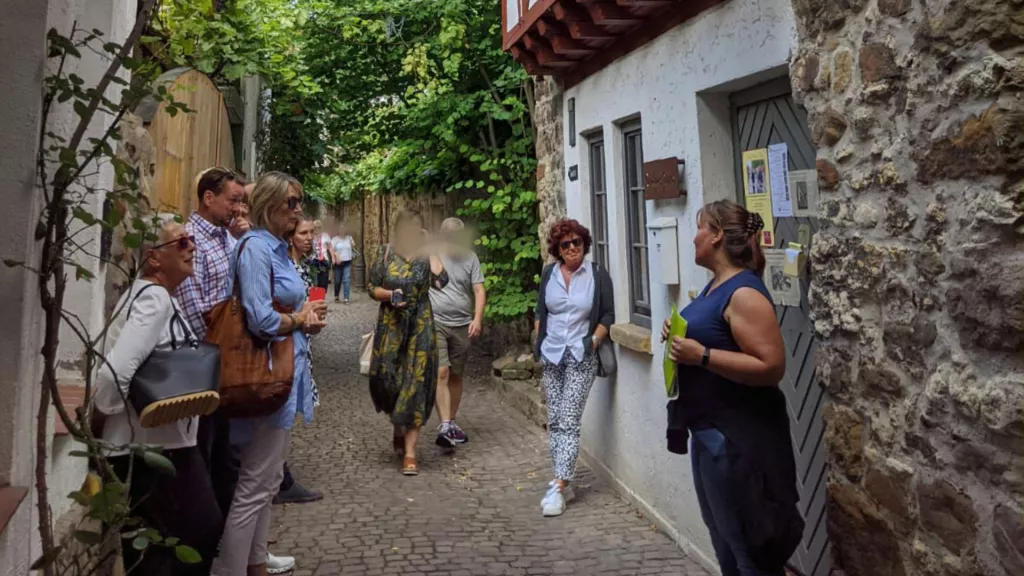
x=599, y=203
x=636, y=225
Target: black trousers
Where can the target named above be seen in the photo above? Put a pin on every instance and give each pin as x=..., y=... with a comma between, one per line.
x=181, y=505
x=214, y=443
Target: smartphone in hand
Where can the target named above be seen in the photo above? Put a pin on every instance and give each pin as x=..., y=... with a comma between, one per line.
x=397, y=297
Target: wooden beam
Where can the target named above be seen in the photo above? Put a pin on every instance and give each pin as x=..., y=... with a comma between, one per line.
x=533, y=42
x=529, y=62
x=566, y=46
x=548, y=59
x=651, y=29
x=564, y=11
x=612, y=15
x=588, y=31
x=645, y=3
x=561, y=42
x=549, y=29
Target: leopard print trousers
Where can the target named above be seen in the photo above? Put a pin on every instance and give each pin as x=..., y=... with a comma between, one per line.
x=566, y=386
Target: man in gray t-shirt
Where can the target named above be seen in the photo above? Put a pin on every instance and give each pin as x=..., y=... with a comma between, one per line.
x=458, y=318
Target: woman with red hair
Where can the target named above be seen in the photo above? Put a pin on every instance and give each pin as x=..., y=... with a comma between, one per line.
x=575, y=310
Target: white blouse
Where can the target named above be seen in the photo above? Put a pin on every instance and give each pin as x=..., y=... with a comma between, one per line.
x=129, y=343
x=568, y=312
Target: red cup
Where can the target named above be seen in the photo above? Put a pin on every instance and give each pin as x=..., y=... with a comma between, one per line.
x=317, y=294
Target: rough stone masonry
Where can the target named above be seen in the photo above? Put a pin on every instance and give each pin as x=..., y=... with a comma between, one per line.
x=918, y=278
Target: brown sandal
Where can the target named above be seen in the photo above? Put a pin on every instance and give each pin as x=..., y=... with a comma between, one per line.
x=409, y=467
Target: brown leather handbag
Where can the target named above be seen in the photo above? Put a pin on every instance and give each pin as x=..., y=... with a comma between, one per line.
x=256, y=375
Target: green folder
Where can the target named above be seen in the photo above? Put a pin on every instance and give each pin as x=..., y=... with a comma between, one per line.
x=677, y=327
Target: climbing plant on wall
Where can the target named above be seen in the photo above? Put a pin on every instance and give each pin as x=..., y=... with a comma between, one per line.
x=417, y=96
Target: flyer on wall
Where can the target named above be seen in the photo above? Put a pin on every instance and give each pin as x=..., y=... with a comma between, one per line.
x=785, y=289
x=757, y=191
x=778, y=169
x=804, y=184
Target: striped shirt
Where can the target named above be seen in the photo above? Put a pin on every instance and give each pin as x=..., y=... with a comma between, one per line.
x=210, y=282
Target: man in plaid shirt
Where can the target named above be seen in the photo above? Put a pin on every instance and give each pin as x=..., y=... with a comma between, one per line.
x=220, y=193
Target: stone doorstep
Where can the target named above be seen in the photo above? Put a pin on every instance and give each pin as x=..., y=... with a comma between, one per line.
x=524, y=396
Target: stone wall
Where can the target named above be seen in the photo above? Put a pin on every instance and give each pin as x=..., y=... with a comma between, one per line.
x=918, y=278
x=547, y=119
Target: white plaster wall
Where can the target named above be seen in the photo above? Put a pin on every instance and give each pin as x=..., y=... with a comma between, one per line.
x=23, y=26
x=86, y=298
x=252, y=88
x=678, y=86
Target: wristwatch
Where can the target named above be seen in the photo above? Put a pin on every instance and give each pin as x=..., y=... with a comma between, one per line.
x=706, y=358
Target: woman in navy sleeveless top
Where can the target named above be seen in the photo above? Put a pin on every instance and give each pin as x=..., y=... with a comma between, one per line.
x=729, y=368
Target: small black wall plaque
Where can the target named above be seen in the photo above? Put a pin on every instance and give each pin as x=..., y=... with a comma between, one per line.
x=574, y=172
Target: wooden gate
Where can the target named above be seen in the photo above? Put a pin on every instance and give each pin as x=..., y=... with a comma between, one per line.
x=764, y=115
x=186, y=144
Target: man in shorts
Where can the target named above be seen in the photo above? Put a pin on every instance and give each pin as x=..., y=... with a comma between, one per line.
x=458, y=318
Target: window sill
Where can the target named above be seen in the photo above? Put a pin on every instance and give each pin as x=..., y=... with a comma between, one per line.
x=71, y=396
x=631, y=336
x=10, y=499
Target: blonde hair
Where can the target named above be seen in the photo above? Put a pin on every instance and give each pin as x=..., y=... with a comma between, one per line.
x=270, y=192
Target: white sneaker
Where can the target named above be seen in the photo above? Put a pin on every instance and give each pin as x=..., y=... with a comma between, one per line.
x=279, y=564
x=553, y=503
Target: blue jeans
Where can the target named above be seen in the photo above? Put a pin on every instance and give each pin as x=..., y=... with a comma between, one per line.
x=713, y=480
x=343, y=276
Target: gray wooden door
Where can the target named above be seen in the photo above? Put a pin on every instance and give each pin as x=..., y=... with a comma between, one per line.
x=766, y=115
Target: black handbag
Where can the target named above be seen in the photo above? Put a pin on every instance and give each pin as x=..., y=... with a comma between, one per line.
x=175, y=384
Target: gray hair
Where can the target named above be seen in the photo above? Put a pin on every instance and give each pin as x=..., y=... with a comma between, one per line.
x=270, y=192
x=452, y=225
x=156, y=235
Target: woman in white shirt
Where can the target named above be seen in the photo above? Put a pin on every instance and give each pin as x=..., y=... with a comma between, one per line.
x=575, y=310
x=182, y=505
x=343, y=249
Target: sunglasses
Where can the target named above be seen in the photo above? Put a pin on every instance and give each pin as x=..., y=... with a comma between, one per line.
x=294, y=202
x=565, y=244
x=183, y=243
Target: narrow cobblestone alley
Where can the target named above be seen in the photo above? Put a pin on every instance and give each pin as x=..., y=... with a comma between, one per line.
x=473, y=513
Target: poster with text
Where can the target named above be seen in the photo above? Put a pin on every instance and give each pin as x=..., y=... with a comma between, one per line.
x=804, y=184
x=785, y=289
x=778, y=170
x=757, y=191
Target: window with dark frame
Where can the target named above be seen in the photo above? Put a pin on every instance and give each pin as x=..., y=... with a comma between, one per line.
x=639, y=283
x=599, y=203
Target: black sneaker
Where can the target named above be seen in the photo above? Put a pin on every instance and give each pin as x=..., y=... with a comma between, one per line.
x=456, y=434
x=297, y=494
x=444, y=438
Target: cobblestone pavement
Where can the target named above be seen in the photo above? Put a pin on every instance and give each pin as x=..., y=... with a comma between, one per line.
x=474, y=512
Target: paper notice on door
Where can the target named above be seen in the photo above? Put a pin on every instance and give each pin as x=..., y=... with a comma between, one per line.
x=804, y=184
x=778, y=169
x=757, y=191
x=785, y=289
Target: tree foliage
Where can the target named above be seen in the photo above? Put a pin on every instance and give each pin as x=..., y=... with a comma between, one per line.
x=231, y=39
x=416, y=96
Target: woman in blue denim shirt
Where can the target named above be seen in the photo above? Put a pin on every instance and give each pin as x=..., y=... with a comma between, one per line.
x=276, y=205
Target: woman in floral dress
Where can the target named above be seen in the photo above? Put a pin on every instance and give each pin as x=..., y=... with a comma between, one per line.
x=403, y=370
x=300, y=246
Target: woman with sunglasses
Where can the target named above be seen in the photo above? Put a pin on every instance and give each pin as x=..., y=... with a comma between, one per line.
x=147, y=319
x=575, y=310
x=267, y=276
